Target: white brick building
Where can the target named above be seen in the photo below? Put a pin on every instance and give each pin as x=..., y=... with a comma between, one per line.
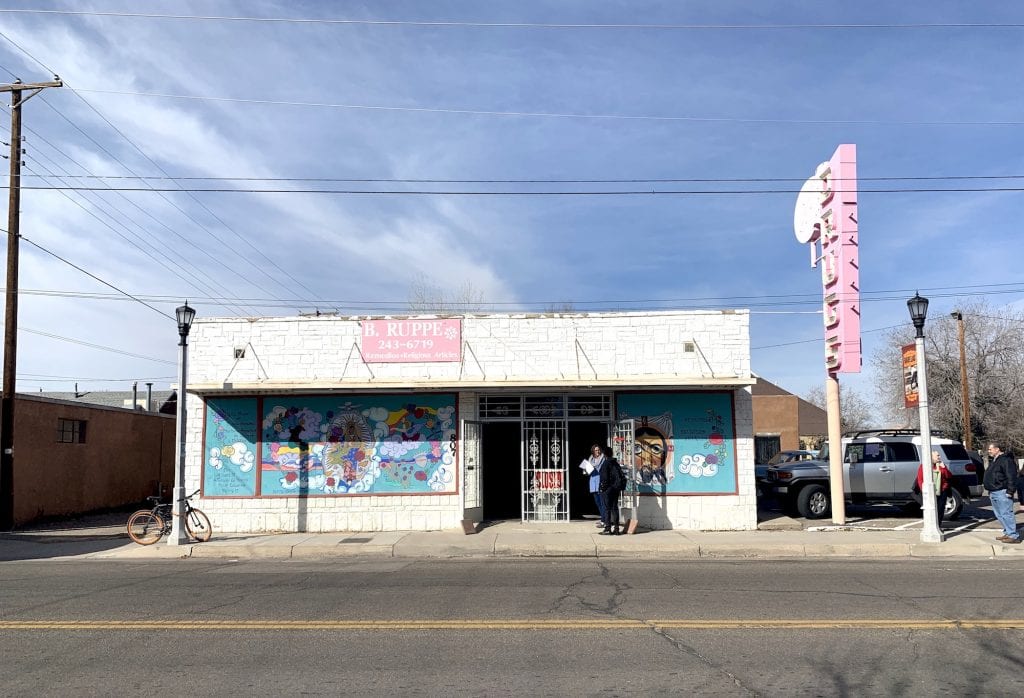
x=421, y=422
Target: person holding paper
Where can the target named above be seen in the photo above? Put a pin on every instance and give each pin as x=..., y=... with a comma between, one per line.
x=592, y=466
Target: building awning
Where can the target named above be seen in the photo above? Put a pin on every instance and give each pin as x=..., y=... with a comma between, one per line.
x=555, y=384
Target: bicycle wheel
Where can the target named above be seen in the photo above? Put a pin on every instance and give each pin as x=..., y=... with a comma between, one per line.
x=198, y=525
x=145, y=527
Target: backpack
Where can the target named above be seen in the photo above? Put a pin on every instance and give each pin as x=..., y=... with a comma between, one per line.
x=618, y=479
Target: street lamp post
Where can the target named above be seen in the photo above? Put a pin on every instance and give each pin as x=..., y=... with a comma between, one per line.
x=930, y=531
x=179, y=535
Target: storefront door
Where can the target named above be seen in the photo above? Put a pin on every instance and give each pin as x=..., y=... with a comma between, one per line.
x=471, y=438
x=545, y=473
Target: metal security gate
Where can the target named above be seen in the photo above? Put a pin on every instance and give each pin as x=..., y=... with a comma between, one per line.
x=623, y=439
x=471, y=464
x=545, y=471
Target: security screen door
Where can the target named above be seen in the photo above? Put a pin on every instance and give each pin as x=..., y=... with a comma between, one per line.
x=545, y=472
x=623, y=438
x=471, y=476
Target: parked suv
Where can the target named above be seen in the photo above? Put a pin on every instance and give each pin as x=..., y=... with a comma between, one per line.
x=879, y=466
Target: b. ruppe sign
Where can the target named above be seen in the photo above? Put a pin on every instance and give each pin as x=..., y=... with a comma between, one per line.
x=826, y=218
x=411, y=340
x=910, y=394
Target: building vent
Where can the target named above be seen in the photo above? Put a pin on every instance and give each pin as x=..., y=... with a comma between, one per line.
x=239, y=352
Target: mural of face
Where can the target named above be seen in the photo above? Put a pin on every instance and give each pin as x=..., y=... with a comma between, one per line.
x=651, y=450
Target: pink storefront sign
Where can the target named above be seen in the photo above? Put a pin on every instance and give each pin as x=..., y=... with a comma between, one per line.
x=826, y=218
x=411, y=341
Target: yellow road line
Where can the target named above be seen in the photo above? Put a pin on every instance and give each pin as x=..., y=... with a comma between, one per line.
x=529, y=624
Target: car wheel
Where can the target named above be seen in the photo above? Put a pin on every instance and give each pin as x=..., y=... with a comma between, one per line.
x=813, y=502
x=954, y=506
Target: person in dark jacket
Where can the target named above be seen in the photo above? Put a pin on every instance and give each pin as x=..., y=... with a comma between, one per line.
x=1001, y=483
x=613, y=481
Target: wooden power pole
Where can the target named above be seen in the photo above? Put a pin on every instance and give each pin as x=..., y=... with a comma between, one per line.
x=17, y=90
x=965, y=393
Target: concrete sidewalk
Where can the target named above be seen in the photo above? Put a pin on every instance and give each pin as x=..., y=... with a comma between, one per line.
x=513, y=539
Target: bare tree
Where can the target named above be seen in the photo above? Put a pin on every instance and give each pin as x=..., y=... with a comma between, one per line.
x=427, y=297
x=994, y=343
x=855, y=412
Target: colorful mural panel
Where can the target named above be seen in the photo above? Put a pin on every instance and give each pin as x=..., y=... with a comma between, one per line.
x=229, y=455
x=383, y=444
x=684, y=442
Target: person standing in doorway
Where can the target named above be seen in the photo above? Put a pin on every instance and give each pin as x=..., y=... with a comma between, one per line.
x=613, y=481
x=940, y=476
x=1001, y=483
x=596, y=460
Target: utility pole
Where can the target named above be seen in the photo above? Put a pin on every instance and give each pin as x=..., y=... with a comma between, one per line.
x=11, y=308
x=965, y=393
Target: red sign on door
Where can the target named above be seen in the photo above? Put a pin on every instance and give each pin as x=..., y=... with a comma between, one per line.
x=548, y=480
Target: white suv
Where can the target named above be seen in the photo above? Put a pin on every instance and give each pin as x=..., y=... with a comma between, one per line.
x=879, y=466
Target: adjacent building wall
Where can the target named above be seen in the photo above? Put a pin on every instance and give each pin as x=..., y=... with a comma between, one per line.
x=127, y=456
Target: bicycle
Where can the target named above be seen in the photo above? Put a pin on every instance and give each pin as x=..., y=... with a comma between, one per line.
x=147, y=526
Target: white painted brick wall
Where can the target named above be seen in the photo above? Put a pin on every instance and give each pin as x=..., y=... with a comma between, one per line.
x=604, y=349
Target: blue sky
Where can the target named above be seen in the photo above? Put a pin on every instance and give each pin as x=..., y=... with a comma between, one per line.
x=662, y=90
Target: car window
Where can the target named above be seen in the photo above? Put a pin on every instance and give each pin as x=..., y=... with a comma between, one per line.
x=954, y=452
x=902, y=451
x=865, y=453
x=874, y=453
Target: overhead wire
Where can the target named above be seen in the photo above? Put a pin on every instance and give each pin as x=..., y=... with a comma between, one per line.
x=635, y=180
x=101, y=347
x=170, y=249
x=223, y=223
x=93, y=276
x=162, y=261
x=761, y=300
x=154, y=255
x=196, y=282
x=509, y=192
x=558, y=115
x=526, y=25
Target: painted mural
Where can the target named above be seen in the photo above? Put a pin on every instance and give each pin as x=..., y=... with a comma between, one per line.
x=684, y=442
x=229, y=467
x=358, y=445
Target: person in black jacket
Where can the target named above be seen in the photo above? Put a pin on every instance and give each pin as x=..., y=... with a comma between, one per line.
x=613, y=481
x=1001, y=483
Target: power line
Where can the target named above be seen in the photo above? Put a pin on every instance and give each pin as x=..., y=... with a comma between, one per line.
x=649, y=180
x=496, y=192
x=170, y=250
x=196, y=281
x=48, y=377
x=525, y=25
x=556, y=115
x=814, y=298
x=819, y=339
x=93, y=276
x=270, y=261
x=95, y=346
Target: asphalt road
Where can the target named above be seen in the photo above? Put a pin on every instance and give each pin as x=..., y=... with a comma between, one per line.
x=511, y=627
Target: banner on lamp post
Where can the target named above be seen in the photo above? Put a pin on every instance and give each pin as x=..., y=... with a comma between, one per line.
x=910, y=394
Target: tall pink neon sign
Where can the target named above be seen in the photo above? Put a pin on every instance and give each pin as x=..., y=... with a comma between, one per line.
x=826, y=217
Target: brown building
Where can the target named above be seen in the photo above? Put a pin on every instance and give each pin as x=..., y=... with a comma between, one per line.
x=71, y=458
x=784, y=422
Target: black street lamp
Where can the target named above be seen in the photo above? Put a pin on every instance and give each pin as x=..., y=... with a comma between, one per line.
x=931, y=531
x=918, y=307
x=179, y=535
